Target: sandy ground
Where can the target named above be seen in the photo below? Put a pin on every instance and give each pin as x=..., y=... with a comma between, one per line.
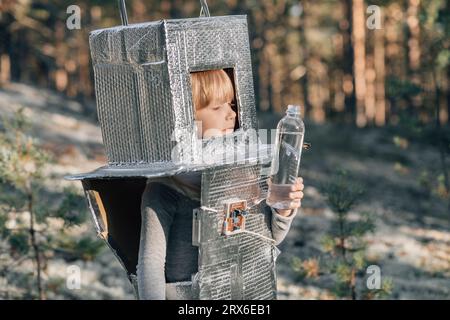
x=412, y=239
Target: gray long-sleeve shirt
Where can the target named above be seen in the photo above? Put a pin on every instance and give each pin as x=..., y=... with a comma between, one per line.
x=166, y=253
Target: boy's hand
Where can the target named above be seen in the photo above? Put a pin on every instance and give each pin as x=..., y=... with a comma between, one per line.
x=287, y=192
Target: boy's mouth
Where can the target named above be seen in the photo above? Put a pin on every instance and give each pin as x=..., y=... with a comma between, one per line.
x=228, y=130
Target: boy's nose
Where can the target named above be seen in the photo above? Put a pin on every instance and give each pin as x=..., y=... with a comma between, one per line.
x=231, y=114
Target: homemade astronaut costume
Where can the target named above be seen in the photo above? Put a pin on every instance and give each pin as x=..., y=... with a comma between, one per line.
x=166, y=254
x=145, y=109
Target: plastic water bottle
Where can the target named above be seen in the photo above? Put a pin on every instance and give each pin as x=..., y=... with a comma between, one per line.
x=286, y=157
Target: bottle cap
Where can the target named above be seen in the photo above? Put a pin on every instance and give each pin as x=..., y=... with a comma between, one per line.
x=293, y=109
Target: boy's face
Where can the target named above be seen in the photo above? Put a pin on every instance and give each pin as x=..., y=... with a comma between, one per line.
x=218, y=118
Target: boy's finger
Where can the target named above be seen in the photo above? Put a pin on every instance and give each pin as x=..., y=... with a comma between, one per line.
x=295, y=205
x=296, y=195
x=297, y=187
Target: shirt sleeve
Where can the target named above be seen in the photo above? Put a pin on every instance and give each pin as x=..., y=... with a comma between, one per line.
x=155, y=229
x=280, y=224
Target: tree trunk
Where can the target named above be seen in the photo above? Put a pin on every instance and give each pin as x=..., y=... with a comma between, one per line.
x=441, y=139
x=359, y=27
x=413, y=51
x=347, y=61
x=448, y=94
x=35, y=246
x=305, y=55
x=380, y=104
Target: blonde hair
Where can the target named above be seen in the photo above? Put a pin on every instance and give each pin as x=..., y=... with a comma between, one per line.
x=209, y=86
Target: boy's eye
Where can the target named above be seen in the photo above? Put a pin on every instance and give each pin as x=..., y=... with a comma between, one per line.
x=232, y=105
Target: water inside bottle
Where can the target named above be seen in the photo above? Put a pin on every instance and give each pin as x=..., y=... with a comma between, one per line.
x=285, y=169
x=287, y=158
x=280, y=192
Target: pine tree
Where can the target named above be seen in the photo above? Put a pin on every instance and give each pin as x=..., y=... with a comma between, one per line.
x=25, y=214
x=344, y=247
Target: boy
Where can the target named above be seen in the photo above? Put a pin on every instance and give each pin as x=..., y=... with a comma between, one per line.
x=167, y=258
